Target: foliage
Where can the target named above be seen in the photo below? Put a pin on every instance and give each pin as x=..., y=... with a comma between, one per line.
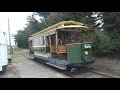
x=49, y=18
x=106, y=41
x=22, y=35
x=112, y=29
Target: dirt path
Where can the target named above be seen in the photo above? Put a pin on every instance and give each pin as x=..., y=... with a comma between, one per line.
x=11, y=72
x=22, y=67
x=30, y=69
x=107, y=66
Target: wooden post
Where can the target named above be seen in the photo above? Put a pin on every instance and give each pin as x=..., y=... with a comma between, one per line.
x=11, y=50
x=56, y=40
x=50, y=42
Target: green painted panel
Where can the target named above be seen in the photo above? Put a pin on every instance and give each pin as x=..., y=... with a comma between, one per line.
x=42, y=49
x=87, y=52
x=87, y=57
x=47, y=50
x=74, y=54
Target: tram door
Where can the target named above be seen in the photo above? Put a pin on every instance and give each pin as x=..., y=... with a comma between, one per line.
x=51, y=43
x=30, y=46
x=47, y=41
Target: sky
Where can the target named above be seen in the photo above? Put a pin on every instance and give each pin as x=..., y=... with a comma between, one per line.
x=17, y=21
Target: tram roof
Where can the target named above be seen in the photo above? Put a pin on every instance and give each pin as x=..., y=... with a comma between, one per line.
x=63, y=24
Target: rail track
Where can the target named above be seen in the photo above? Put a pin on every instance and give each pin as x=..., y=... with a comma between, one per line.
x=76, y=73
x=105, y=75
x=79, y=73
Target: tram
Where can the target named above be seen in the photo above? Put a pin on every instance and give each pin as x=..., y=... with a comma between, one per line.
x=64, y=45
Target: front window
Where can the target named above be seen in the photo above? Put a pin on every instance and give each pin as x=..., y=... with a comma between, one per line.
x=68, y=36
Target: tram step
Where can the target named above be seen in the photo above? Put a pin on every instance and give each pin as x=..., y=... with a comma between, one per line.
x=56, y=66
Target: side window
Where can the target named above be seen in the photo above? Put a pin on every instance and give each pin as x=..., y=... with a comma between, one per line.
x=39, y=41
x=43, y=43
x=35, y=42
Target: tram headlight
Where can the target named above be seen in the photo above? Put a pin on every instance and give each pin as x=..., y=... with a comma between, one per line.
x=86, y=52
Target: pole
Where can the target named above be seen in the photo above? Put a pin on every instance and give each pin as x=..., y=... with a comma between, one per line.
x=45, y=23
x=11, y=50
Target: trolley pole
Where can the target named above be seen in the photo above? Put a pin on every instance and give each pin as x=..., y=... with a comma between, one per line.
x=11, y=50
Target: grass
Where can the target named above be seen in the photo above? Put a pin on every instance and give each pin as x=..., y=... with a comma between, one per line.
x=16, y=56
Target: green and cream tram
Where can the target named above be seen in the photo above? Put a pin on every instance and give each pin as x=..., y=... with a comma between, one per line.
x=63, y=45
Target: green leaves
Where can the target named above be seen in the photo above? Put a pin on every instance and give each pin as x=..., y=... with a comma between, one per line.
x=104, y=42
x=22, y=36
x=112, y=29
x=50, y=18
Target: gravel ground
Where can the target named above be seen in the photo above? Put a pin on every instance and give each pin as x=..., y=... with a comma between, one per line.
x=87, y=75
x=11, y=72
x=30, y=69
x=107, y=66
x=22, y=67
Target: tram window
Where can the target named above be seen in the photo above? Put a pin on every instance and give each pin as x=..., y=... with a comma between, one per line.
x=74, y=37
x=47, y=41
x=39, y=41
x=43, y=42
x=35, y=42
x=53, y=39
x=61, y=38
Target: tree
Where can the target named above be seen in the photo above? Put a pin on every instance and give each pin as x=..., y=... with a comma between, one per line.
x=22, y=36
x=55, y=17
x=50, y=18
x=112, y=29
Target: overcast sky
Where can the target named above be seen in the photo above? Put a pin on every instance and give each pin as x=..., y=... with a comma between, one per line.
x=17, y=21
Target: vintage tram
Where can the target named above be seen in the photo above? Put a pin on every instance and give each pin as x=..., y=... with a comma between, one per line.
x=64, y=45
